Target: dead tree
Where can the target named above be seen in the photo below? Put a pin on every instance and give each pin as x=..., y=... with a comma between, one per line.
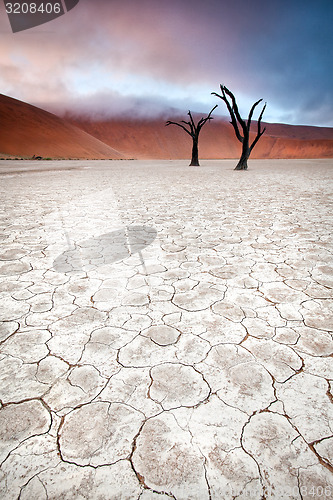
x=236, y=117
x=193, y=130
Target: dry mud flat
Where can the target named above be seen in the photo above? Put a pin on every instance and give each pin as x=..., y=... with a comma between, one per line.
x=166, y=331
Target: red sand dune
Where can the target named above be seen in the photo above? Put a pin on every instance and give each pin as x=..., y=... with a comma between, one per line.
x=26, y=131
x=150, y=139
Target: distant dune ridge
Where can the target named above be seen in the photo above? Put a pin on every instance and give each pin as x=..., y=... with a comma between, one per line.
x=150, y=139
x=26, y=130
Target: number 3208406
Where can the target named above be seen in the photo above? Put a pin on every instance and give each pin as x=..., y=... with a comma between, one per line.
x=33, y=8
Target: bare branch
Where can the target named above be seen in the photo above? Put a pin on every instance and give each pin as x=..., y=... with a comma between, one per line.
x=209, y=117
x=191, y=118
x=262, y=112
x=179, y=125
x=251, y=113
x=224, y=98
x=230, y=109
x=259, y=132
x=202, y=120
x=192, y=124
x=236, y=111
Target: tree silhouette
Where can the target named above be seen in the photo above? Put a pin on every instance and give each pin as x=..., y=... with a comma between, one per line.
x=236, y=117
x=193, y=130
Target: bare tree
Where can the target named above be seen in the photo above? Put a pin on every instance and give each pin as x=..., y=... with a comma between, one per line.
x=193, y=130
x=237, y=119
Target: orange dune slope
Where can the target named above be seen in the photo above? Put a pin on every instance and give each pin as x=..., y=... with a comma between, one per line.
x=26, y=131
x=151, y=139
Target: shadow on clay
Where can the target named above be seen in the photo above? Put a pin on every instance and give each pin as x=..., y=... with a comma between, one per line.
x=105, y=249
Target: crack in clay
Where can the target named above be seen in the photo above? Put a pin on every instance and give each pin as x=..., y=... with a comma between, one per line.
x=31, y=479
x=253, y=458
x=30, y=436
x=319, y=457
x=310, y=445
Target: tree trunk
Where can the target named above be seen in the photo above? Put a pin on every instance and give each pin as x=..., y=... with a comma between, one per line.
x=242, y=164
x=195, y=154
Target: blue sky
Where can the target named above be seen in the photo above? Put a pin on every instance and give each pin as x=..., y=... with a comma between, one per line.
x=114, y=57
